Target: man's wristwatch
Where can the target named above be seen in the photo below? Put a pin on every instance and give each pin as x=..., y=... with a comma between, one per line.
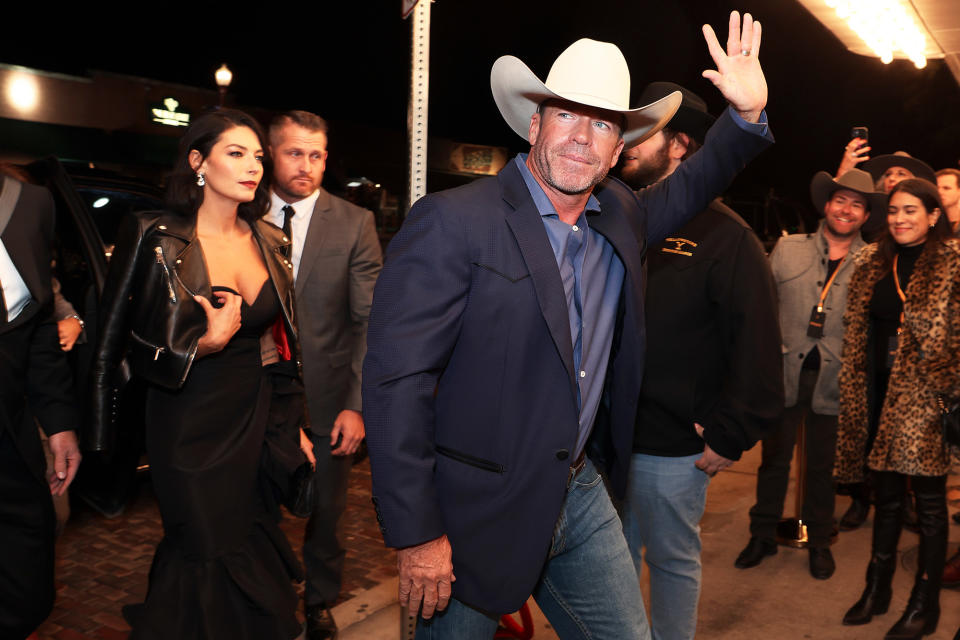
x=78, y=319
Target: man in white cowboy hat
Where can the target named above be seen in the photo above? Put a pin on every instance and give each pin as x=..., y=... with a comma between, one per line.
x=505, y=309
x=712, y=385
x=811, y=271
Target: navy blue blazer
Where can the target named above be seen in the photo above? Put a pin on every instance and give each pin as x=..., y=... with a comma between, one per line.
x=469, y=395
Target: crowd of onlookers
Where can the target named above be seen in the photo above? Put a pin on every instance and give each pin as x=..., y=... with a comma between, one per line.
x=537, y=348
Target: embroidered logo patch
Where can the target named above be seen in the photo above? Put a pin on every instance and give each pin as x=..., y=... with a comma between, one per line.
x=678, y=248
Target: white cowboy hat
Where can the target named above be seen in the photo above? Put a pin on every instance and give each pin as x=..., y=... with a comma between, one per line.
x=588, y=72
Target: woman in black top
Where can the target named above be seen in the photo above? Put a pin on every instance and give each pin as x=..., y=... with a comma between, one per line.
x=900, y=354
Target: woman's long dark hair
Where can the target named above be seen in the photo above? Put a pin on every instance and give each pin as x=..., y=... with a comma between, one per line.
x=930, y=198
x=183, y=195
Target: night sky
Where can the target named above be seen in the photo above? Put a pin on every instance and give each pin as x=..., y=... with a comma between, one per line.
x=349, y=62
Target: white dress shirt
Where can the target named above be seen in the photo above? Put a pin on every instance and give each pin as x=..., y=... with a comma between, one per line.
x=303, y=210
x=15, y=292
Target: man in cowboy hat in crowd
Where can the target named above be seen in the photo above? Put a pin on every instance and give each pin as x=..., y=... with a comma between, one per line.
x=811, y=271
x=711, y=300
x=504, y=309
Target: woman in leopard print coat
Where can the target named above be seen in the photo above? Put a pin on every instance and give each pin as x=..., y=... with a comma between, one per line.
x=898, y=357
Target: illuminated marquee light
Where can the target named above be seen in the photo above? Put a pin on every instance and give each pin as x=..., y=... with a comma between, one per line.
x=23, y=92
x=885, y=26
x=166, y=113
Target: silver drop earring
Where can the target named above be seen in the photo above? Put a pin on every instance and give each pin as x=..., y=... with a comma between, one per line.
x=200, y=179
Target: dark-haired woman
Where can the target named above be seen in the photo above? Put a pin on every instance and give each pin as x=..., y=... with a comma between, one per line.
x=900, y=354
x=192, y=294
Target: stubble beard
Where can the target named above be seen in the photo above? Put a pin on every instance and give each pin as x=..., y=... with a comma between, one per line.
x=840, y=235
x=292, y=191
x=570, y=183
x=648, y=172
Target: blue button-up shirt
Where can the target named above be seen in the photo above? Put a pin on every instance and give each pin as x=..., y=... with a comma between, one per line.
x=592, y=276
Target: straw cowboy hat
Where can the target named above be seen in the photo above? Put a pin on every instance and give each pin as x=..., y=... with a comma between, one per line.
x=878, y=165
x=823, y=185
x=589, y=73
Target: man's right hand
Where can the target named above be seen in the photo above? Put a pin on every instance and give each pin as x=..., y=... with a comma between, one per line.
x=426, y=574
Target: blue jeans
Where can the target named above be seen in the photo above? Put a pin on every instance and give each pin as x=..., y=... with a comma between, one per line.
x=662, y=512
x=588, y=589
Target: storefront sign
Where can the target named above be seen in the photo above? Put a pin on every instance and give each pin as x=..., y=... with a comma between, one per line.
x=166, y=113
x=476, y=159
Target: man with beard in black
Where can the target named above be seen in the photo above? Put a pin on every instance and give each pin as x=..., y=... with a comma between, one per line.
x=712, y=385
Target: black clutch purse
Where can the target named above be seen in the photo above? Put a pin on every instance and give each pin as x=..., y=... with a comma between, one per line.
x=950, y=422
x=299, y=499
x=286, y=470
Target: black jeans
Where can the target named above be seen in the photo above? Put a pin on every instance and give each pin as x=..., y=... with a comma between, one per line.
x=774, y=473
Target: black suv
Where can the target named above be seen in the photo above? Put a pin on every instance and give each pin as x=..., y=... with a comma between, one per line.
x=90, y=204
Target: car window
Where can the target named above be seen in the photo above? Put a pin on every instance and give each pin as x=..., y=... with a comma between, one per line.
x=108, y=206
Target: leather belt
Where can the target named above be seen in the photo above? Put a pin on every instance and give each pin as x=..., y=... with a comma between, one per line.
x=576, y=467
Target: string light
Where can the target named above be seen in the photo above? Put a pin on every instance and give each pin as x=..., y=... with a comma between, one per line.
x=886, y=26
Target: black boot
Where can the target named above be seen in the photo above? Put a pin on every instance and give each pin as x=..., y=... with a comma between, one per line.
x=876, y=597
x=855, y=515
x=886, y=534
x=922, y=614
x=923, y=609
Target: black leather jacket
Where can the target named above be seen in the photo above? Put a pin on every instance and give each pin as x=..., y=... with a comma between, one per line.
x=148, y=313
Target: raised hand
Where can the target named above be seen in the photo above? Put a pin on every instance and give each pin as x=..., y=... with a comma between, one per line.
x=738, y=74
x=853, y=154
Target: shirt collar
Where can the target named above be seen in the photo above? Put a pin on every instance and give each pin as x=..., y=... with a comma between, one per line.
x=301, y=207
x=540, y=199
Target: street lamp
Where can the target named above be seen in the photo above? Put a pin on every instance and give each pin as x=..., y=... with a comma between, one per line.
x=223, y=76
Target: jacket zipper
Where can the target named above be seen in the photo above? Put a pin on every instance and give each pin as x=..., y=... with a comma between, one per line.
x=156, y=350
x=158, y=251
x=479, y=463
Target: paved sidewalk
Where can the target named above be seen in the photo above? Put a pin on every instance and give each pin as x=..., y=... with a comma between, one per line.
x=103, y=564
x=777, y=600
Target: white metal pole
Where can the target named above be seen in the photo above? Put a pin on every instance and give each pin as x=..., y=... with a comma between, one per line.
x=419, y=99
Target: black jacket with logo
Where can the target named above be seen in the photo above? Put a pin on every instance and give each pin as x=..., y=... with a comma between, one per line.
x=713, y=341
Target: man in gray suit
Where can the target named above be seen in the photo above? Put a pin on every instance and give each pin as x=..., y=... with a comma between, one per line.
x=336, y=259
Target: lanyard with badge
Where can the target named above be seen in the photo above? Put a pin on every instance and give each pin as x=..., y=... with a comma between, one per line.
x=895, y=338
x=818, y=316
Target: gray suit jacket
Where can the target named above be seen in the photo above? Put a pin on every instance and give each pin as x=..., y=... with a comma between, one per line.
x=799, y=265
x=339, y=265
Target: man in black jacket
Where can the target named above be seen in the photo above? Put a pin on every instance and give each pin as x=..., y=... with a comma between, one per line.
x=34, y=381
x=712, y=385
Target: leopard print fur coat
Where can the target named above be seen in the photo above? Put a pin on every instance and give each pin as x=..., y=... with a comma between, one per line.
x=909, y=438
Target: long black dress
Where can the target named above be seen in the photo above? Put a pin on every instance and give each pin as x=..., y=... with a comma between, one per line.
x=223, y=569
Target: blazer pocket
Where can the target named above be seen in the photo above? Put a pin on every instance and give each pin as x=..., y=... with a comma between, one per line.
x=473, y=461
x=340, y=358
x=511, y=278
